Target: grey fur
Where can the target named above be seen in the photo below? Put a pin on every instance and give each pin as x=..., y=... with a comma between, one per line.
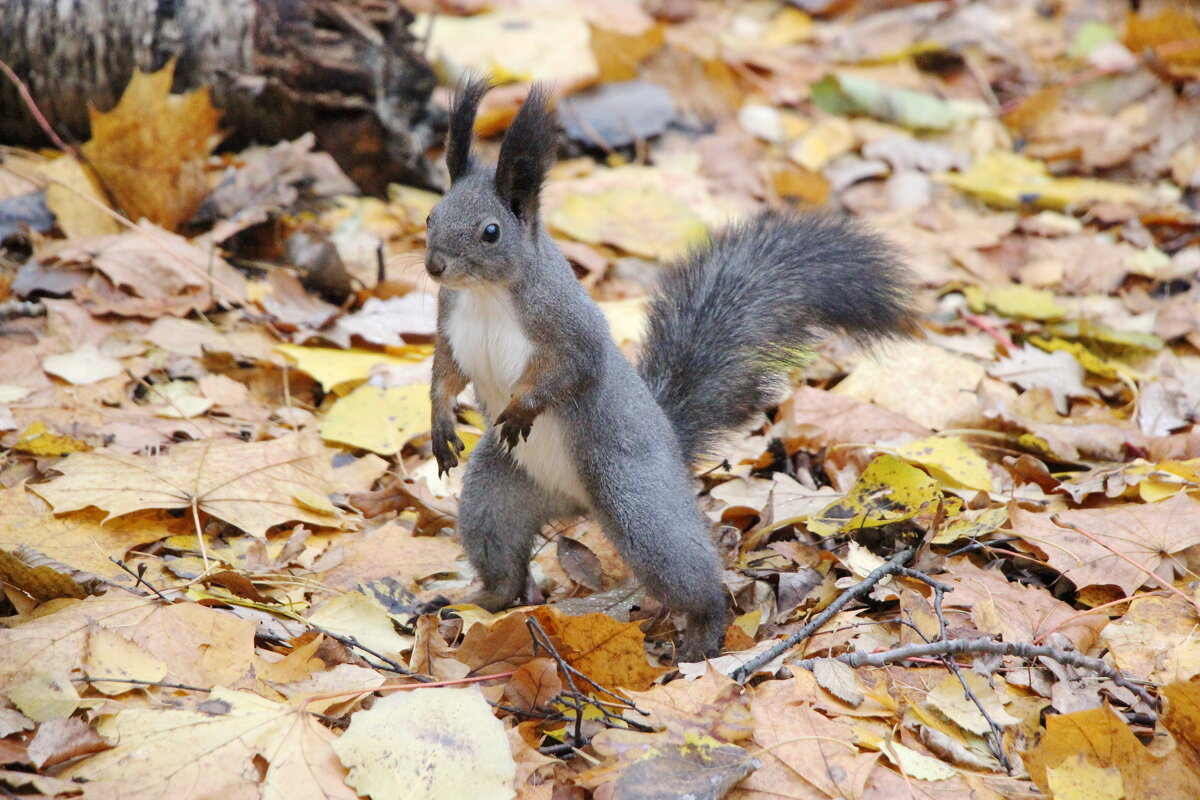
x=727, y=306
x=729, y=320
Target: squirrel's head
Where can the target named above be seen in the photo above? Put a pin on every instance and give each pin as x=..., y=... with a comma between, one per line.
x=485, y=229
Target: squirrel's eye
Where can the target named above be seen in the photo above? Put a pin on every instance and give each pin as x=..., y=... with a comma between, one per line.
x=491, y=233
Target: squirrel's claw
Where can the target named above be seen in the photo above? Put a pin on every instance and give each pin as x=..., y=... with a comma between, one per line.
x=514, y=426
x=447, y=446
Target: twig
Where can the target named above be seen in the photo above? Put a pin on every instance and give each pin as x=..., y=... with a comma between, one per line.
x=38, y=116
x=393, y=665
x=889, y=567
x=995, y=737
x=138, y=577
x=136, y=682
x=954, y=647
x=1002, y=338
x=577, y=699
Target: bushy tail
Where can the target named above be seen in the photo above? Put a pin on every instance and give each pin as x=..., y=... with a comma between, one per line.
x=727, y=323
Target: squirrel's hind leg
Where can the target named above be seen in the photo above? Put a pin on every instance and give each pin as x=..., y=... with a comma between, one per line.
x=502, y=513
x=664, y=539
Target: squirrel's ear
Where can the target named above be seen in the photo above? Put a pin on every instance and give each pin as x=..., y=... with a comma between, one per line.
x=527, y=153
x=462, y=125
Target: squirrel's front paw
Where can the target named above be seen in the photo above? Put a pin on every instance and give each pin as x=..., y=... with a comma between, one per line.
x=446, y=445
x=515, y=422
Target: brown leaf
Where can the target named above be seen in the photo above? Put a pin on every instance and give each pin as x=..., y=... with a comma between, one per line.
x=535, y=684
x=63, y=739
x=146, y=272
x=150, y=149
x=1150, y=534
x=609, y=652
x=392, y=551
x=81, y=540
x=253, y=486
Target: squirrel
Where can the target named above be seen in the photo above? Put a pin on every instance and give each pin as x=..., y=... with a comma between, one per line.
x=574, y=427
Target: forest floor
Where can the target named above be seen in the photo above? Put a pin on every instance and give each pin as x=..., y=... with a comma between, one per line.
x=220, y=516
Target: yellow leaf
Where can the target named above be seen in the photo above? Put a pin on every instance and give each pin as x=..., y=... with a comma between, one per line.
x=512, y=46
x=39, y=440
x=110, y=655
x=971, y=524
x=247, y=484
x=314, y=500
x=824, y=142
x=610, y=652
x=1010, y=180
x=238, y=734
x=150, y=150
x=337, y=370
x=76, y=199
x=379, y=420
x=639, y=219
x=1097, y=365
x=888, y=490
x=78, y=540
x=45, y=696
x=789, y=26
x=1015, y=300
x=364, y=618
x=950, y=459
x=447, y=742
x=1076, y=778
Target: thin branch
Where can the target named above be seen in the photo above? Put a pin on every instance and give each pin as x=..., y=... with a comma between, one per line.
x=889, y=567
x=1023, y=650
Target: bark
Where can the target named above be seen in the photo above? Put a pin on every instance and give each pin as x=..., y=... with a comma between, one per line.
x=349, y=70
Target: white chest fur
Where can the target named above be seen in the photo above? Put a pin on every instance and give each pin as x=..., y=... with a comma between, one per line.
x=492, y=349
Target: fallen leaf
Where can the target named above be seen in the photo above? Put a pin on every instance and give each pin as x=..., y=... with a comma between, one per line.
x=887, y=491
x=251, y=485
x=83, y=366
x=379, y=420
x=446, y=741
x=1058, y=372
x=228, y=735
x=513, y=46
x=843, y=93
x=150, y=149
x=1150, y=535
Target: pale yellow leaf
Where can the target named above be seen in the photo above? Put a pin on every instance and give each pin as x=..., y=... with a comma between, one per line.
x=446, y=741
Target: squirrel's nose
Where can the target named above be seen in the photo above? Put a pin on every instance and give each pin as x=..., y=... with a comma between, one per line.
x=435, y=262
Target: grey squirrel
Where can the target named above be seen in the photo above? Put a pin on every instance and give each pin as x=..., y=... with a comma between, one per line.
x=574, y=427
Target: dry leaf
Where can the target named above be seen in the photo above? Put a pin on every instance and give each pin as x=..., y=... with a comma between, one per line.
x=250, y=485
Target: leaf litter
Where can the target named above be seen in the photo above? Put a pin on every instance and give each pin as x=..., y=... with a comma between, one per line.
x=221, y=525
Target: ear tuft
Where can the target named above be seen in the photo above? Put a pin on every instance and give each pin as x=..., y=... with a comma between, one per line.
x=527, y=153
x=462, y=125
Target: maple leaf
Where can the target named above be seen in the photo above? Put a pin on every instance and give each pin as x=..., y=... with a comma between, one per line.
x=223, y=738
x=150, y=149
x=1058, y=371
x=57, y=641
x=253, y=486
x=1149, y=534
x=78, y=540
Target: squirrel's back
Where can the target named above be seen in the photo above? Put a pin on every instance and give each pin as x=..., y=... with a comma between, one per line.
x=729, y=321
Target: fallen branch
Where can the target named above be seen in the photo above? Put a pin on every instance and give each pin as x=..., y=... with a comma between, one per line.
x=892, y=566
